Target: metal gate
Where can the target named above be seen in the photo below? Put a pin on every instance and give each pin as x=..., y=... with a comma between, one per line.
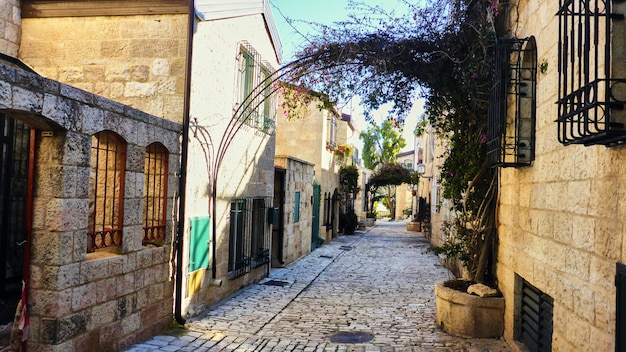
x=315, y=228
x=15, y=158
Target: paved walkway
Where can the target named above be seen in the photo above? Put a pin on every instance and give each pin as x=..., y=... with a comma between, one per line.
x=379, y=283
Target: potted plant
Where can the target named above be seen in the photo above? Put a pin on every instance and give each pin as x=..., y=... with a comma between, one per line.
x=370, y=218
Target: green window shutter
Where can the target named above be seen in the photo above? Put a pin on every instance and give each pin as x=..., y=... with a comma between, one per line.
x=296, y=215
x=199, y=243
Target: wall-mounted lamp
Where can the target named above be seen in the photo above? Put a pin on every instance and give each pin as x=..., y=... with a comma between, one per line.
x=421, y=170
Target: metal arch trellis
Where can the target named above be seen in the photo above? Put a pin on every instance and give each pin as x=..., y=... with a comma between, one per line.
x=251, y=102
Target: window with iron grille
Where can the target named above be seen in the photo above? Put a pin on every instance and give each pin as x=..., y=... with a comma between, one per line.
x=535, y=324
x=332, y=132
x=255, y=102
x=327, y=211
x=590, y=98
x=249, y=236
x=260, y=231
x=155, y=193
x=106, y=196
x=269, y=101
x=512, y=104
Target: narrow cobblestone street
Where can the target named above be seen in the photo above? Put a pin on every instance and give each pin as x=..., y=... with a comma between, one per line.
x=378, y=283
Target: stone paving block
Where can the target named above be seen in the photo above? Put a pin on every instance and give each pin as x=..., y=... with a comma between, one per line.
x=165, y=338
x=158, y=343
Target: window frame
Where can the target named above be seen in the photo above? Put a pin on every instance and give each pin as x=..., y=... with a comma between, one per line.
x=332, y=132
x=156, y=169
x=99, y=235
x=296, y=208
x=248, y=229
x=589, y=111
x=255, y=103
x=512, y=103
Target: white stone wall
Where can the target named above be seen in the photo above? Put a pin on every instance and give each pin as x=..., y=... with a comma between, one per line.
x=247, y=168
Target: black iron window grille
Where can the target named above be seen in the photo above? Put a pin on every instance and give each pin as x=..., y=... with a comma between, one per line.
x=261, y=231
x=512, y=104
x=249, y=237
x=590, y=99
x=155, y=193
x=255, y=98
x=536, y=319
x=106, y=196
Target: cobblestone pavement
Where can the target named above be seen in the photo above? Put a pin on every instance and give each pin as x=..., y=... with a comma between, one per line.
x=379, y=283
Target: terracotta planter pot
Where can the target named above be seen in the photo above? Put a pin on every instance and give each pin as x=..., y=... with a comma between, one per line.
x=462, y=314
x=413, y=226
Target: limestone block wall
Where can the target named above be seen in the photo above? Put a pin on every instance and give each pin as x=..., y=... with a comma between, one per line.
x=10, y=27
x=297, y=234
x=561, y=220
x=101, y=300
x=135, y=60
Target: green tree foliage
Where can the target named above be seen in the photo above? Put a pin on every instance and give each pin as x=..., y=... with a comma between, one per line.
x=392, y=174
x=442, y=51
x=388, y=176
x=381, y=144
x=349, y=179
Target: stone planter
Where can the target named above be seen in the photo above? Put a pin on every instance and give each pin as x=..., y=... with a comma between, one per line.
x=414, y=226
x=370, y=221
x=462, y=314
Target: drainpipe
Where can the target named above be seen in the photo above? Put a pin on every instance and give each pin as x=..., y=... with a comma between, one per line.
x=178, y=295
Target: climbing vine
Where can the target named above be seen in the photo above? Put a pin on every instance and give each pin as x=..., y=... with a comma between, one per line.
x=441, y=51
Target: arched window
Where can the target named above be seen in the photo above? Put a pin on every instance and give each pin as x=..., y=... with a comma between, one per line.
x=155, y=193
x=106, y=196
x=512, y=105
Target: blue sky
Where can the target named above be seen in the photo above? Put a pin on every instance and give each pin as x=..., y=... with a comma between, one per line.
x=319, y=11
x=326, y=12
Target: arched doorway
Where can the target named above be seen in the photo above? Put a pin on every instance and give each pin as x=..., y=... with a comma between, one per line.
x=16, y=140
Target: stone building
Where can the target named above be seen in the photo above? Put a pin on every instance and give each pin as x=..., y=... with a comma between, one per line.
x=561, y=205
x=115, y=104
x=317, y=143
x=405, y=199
x=88, y=191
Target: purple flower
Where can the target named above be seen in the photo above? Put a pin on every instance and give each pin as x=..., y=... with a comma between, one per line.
x=474, y=75
x=483, y=139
